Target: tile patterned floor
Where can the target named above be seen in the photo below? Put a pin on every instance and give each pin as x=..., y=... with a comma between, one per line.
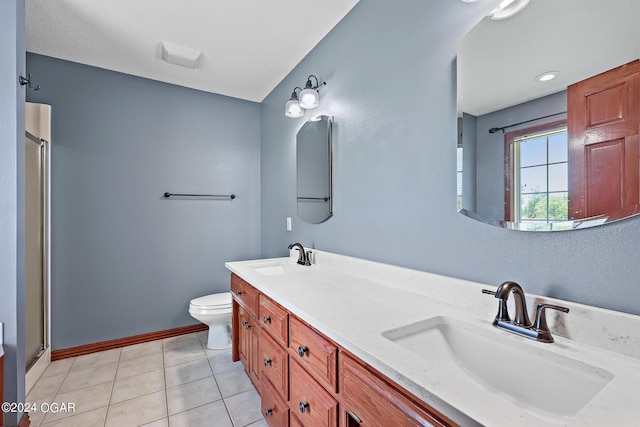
x=171, y=382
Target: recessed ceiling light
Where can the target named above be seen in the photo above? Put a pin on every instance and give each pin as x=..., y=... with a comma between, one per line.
x=507, y=8
x=549, y=75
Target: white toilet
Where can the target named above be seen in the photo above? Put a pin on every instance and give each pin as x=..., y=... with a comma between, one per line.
x=215, y=311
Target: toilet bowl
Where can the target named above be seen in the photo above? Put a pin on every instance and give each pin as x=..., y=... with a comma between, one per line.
x=215, y=311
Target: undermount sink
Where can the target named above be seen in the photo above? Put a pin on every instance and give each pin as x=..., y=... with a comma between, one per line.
x=524, y=373
x=269, y=270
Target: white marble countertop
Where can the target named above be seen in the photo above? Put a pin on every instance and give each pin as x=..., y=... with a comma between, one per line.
x=353, y=301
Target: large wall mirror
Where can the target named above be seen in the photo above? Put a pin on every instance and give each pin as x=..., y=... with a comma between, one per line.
x=314, y=152
x=542, y=99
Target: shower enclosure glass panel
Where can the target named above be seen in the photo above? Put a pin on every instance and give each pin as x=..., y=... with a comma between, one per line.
x=35, y=265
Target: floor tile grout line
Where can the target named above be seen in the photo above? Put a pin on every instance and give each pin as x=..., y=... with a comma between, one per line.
x=166, y=396
x=113, y=384
x=163, y=369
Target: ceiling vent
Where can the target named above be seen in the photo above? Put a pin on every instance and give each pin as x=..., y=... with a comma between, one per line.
x=180, y=55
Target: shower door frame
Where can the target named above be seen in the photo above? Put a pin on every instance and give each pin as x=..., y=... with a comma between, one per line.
x=37, y=366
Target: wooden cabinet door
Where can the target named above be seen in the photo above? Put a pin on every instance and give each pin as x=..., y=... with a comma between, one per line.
x=313, y=405
x=254, y=362
x=246, y=294
x=370, y=400
x=274, y=319
x=274, y=407
x=244, y=340
x=317, y=354
x=275, y=364
x=603, y=115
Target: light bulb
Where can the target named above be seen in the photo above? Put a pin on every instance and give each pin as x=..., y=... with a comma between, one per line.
x=292, y=109
x=309, y=98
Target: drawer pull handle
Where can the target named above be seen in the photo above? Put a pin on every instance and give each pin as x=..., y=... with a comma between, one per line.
x=267, y=362
x=238, y=293
x=266, y=319
x=268, y=412
x=302, y=350
x=304, y=407
x=247, y=326
x=354, y=417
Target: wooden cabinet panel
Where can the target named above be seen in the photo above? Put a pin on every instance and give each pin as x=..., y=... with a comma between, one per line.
x=603, y=117
x=245, y=294
x=316, y=353
x=246, y=333
x=312, y=404
x=274, y=319
x=294, y=421
x=248, y=344
x=254, y=362
x=274, y=408
x=369, y=400
x=275, y=364
x=244, y=345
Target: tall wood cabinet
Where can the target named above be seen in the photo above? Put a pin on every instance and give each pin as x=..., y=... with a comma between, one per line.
x=305, y=379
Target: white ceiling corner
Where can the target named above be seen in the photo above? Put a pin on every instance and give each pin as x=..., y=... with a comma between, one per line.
x=248, y=47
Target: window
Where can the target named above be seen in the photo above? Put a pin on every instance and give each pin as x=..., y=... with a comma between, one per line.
x=538, y=185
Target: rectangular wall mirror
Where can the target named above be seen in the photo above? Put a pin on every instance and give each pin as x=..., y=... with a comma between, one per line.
x=314, y=152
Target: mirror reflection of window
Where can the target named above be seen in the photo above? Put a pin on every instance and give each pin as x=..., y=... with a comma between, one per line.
x=539, y=185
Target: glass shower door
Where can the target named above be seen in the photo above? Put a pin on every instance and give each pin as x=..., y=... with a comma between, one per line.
x=34, y=248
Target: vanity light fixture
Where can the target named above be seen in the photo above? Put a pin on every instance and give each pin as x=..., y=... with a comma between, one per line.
x=549, y=75
x=307, y=99
x=507, y=8
x=292, y=108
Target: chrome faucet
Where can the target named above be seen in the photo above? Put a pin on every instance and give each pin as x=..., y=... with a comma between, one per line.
x=522, y=325
x=303, y=257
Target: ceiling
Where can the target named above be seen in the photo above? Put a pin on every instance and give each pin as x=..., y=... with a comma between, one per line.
x=499, y=60
x=248, y=47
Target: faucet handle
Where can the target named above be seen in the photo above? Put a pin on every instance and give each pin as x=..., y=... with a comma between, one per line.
x=503, y=312
x=540, y=325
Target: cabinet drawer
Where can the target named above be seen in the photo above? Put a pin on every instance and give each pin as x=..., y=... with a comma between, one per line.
x=313, y=405
x=274, y=408
x=245, y=294
x=316, y=353
x=274, y=364
x=274, y=319
x=294, y=422
x=376, y=402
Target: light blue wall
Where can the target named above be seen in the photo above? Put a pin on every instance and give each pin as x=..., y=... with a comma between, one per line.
x=391, y=87
x=126, y=261
x=12, y=200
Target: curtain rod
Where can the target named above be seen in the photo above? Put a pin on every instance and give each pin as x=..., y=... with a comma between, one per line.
x=494, y=130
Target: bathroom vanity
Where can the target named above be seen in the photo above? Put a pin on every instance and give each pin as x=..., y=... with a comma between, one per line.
x=347, y=342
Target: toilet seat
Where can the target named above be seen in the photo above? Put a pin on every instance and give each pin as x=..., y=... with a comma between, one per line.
x=213, y=302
